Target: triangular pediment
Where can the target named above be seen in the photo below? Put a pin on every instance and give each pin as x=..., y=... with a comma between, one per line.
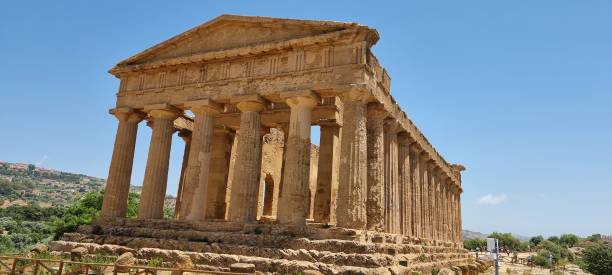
x=231, y=31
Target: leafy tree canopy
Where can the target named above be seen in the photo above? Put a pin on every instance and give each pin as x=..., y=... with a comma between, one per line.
x=506, y=240
x=598, y=259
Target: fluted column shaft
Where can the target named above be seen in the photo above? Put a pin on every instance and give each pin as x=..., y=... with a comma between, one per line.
x=459, y=225
x=436, y=192
x=193, y=206
x=375, y=201
x=452, y=211
x=424, y=159
x=391, y=177
x=218, y=174
x=449, y=222
x=117, y=187
x=295, y=198
x=352, y=189
x=415, y=171
x=327, y=174
x=245, y=183
x=456, y=213
x=156, y=173
x=405, y=186
x=438, y=211
x=447, y=210
x=186, y=136
x=432, y=200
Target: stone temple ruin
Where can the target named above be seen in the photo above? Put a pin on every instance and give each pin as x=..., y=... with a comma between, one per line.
x=376, y=198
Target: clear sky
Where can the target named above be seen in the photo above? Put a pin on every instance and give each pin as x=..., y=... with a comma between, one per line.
x=520, y=92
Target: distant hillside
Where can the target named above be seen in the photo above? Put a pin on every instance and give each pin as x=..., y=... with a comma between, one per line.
x=23, y=184
x=469, y=235
x=26, y=184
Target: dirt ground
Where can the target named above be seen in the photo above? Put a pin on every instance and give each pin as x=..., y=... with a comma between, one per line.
x=507, y=267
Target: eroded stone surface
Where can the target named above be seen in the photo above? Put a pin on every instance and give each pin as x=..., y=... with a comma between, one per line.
x=252, y=183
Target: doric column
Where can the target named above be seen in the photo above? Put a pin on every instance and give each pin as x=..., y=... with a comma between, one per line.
x=424, y=159
x=438, y=179
x=449, y=212
x=117, y=187
x=245, y=184
x=193, y=205
x=436, y=202
x=415, y=171
x=459, y=225
x=327, y=174
x=218, y=173
x=375, y=202
x=405, y=180
x=447, y=223
x=352, y=188
x=431, y=166
x=391, y=176
x=456, y=211
x=186, y=136
x=156, y=173
x=295, y=198
x=452, y=213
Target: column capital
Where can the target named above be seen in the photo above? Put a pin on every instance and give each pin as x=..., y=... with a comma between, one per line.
x=392, y=126
x=425, y=156
x=404, y=138
x=376, y=111
x=127, y=114
x=301, y=98
x=431, y=164
x=163, y=110
x=357, y=94
x=415, y=148
x=246, y=103
x=441, y=174
x=204, y=106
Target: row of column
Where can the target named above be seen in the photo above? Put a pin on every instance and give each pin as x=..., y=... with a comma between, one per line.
x=371, y=174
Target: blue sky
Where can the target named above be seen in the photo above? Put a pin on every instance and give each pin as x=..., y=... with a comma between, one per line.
x=520, y=92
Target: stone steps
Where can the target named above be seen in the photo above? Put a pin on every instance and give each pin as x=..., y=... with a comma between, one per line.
x=215, y=245
x=303, y=254
x=293, y=264
x=259, y=239
x=313, y=231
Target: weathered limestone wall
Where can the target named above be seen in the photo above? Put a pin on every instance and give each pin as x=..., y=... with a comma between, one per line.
x=271, y=167
x=266, y=90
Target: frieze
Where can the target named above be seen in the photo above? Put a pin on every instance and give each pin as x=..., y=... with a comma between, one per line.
x=262, y=66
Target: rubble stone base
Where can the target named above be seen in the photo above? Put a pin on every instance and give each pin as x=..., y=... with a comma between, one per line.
x=271, y=248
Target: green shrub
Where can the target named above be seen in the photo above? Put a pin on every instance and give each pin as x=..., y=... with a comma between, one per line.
x=156, y=262
x=598, y=259
x=506, y=240
x=568, y=240
x=475, y=244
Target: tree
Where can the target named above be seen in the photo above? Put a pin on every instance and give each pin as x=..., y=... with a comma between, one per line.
x=475, y=244
x=554, y=239
x=82, y=212
x=568, y=240
x=535, y=241
x=598, y=259
x=506, y=240
x=85, y=210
